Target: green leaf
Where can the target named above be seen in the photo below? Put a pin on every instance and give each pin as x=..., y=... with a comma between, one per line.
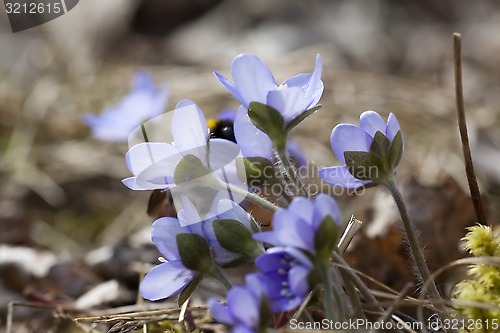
x=395, y=150
x=233, y=236
x=297, y=120
x=190, y=168
x=325, y=239
x=189, y=289
x=269, y=121
x=359, y=164
x=195, y=253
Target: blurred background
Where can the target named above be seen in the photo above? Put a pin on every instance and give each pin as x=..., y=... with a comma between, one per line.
x=68, y=225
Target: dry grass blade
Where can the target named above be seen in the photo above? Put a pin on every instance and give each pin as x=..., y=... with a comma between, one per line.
x=462, y=125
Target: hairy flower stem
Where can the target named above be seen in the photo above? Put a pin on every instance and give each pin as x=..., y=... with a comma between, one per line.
x=415, y=248
x=290, y=172
x=255, y=198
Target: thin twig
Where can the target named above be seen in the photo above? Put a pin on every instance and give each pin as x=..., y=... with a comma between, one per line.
x=462, y=125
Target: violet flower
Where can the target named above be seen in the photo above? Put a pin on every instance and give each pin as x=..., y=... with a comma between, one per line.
x=143, y=102
x=253, y=82
x=296, y=225
x=244, y=307
x=155, y=164
x=352, y=138
x=169, y=278
x=285, y=272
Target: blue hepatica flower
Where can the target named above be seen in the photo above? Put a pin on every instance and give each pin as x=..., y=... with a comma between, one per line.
x=348, y=137
x=244, y=307
x=254, y=82
x=296, y=225
x=285, y=272
x=143, y=102
x=170, y=277
x=154, y=164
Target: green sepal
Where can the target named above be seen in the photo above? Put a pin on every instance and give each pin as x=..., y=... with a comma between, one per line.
x=297, y=120
x=380, y=145
x=233, y=236
x=269, y=121
x=189, y=289
x=395, y=150
x=195, y=253
x=191, y=168
x=358, y=163
x=325, y=239
x=259, y=171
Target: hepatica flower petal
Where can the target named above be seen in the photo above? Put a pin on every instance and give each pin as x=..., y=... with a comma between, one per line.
x=243, y=306
x=165, y=280
x=371, y=122
x=189, y=130
x=392, y=127
x=340, y=176
x=251, y=140
x=346, y=137
x=143, y=102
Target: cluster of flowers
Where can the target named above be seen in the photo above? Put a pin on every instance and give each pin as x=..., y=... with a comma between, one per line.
x=204, y=175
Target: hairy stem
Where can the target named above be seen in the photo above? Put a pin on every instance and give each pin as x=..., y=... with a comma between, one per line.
x=290, y=172
x=415, y=248
x=255, y=198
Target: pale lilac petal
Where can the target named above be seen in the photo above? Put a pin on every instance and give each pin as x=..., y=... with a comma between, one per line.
x=189, y=130
x=228, y=209
x=290, y=102
x=188, y=215
x=371, y=122
x=325, y=205
x=347, y=137
x=222, y=152
x=255, y=284
x=293, y=252
x=285, y=304
x=296, y=152
x=314, y=88
x=143, y=80
x=163, y=234
x=268, y=237
x=302, y=207
x=299, y=80
x=243, y=329
x=221, y=255
x=229, y=86
x=291, y=230
x=392, y=127
x=144, y=155
x=227, y=114
x=252, y=79
x=243, y=306
x=160, y=175
x=219, y=312
x=252, y=141
x=131, y=183
x=297, y=278
x=340, y=176
x=165, y=280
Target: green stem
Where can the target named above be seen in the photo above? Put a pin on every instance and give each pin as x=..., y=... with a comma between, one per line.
x=291, y=172
x=217, y=273
x=415, y=248
x=255, y=198
x=324, y=271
